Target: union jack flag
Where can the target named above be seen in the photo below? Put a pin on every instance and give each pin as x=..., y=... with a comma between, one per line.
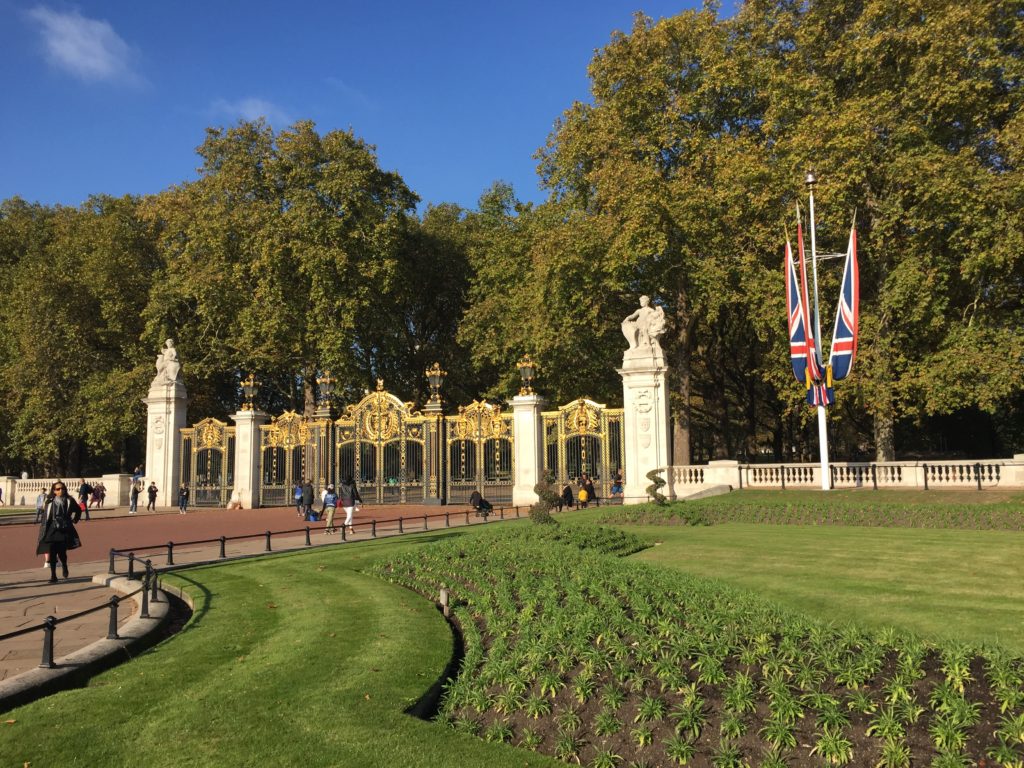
x=802, y=351
x=844, y=337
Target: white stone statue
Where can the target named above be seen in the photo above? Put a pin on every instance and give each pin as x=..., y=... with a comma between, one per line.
x=644, y=328
x=168, y=367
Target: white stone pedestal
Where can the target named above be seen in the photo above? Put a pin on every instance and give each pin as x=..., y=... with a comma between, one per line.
x=166, y=407
x=247, y=456
x=528, y=426
x=646, y=422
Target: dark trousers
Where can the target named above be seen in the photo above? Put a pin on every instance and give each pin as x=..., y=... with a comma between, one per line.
x=58, y=552
x=152, y=503
x=85, y=506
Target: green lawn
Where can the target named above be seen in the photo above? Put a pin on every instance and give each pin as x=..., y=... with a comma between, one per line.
x=941, y=584
x=291, y=660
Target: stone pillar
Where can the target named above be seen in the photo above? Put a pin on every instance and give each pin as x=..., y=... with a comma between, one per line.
x=646, y=423
x=528, y=428
x=247, y=456
x=166, y=406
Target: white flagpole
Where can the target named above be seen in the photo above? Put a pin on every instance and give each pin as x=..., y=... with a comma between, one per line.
x=826, y=480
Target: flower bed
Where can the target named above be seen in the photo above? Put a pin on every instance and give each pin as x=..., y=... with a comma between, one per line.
x=592, y=659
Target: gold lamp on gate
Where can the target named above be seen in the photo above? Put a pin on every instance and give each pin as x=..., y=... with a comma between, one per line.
x=527, y=370
x=326, y=386
x=250, y=388
x=435, y=378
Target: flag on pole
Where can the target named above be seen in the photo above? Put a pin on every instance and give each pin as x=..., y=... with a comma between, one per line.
x=814, y=365
x=844, y=337
x=797, y=322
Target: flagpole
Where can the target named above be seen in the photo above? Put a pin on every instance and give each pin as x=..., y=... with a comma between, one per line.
x=826, y=483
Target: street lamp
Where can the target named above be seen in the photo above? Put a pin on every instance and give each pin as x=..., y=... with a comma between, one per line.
x=527, y=370
x=326, y=385
x=435, y=377
x=250, y=388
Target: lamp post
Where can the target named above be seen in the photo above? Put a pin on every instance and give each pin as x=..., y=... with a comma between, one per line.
x=527, y=371
x=250, y=388
x=435, y=378
x=436, y=436
x=325, y=384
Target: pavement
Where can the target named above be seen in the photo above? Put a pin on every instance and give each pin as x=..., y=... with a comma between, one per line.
x=27, y=597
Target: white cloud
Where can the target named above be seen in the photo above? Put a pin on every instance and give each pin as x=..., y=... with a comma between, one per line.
x=252, y=108
x=89, y=49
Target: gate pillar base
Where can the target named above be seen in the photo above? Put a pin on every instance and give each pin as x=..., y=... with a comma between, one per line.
x=528, y=430
x=645, y=422
x=247, y=456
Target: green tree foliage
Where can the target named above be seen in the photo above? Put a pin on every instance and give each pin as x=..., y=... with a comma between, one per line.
x=693, y=148
x=283, y=252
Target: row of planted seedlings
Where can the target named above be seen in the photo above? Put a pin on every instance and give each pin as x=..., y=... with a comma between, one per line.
x=605, y=662
x=890, y=515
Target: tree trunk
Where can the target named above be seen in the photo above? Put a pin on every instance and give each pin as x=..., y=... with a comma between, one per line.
x=885, y=443
x=681, y=424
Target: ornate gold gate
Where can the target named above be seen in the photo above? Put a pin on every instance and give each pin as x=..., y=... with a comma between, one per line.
x=381, y=444
x=292, y=449
x=208, y=462
x=480, y=452
x=584, y=437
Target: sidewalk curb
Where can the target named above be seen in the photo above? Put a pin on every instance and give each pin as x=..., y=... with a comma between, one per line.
x=75, y=669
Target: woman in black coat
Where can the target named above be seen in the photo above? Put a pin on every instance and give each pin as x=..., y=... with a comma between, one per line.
x=57, y=533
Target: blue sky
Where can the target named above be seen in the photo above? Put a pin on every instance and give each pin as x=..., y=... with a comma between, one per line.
x=113, y=97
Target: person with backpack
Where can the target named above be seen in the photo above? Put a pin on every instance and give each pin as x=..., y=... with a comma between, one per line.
x=350, y=500
x=330, y=507
x=297, y=496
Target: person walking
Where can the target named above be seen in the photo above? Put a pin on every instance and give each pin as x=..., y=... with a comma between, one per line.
x=57, y=532
x=183, y=498
x=84, y=492
x=40, y=505
x=588, y=483
x=307, y=499
x=565, y=501
x=133, y=497
x=2, y=504
x=330, y=507
x=297, y=495
x=350, y=500
x=151, y=492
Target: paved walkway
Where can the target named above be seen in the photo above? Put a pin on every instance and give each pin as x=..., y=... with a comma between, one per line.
x=27, y=597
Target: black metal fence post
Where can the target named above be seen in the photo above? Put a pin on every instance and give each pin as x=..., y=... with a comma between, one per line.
x=131, y=566
x=110, y=567
x=425, y=528
x=308, y=542
x=112, y=624
x=145, y=591
x=154, y=596
x=268, y=541
x=373, y=529
x=223, y=541
x=170, y=553
x=501, y=512
x=51, y=625
x=401, y=527
x=467, y=517
x=447, y=522
x=344, y=533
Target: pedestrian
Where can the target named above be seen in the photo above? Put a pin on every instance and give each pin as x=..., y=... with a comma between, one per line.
x=183, y=498
x=565, y=500
x=350, y=500
x=40, y=505
x=94, y=497
x=588, y=483
x=330, y=507
x=617, y=485
x=582, y=496
x=133, y=497
x=2, y=504
x=307, y=498
x=297, y=495
x=84, y=492
x=151, y=492
x=480, y=504
x=103, y=494
x=57, y=532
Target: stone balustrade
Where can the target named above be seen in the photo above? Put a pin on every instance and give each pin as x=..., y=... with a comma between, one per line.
x=983, y=473
x=22, y=493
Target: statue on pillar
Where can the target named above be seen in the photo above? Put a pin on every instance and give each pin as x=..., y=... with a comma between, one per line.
x=643, y=330
x=168, y=367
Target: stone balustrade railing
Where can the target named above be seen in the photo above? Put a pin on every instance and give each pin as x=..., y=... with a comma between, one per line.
x=20, y=492
x=981, y=474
